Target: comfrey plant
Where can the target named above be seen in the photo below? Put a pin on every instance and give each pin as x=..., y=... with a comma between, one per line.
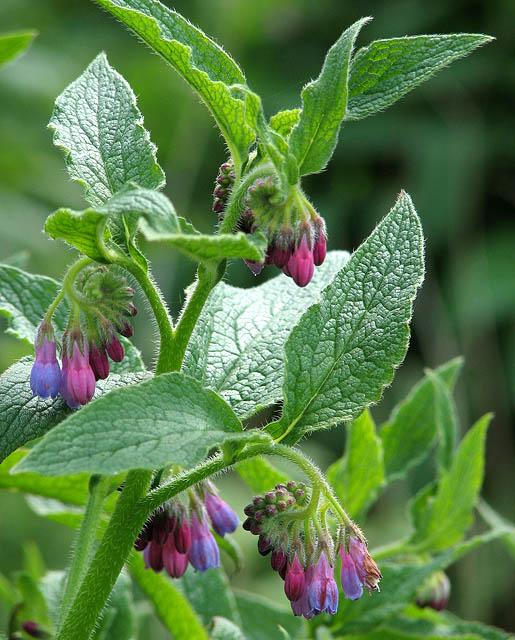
x=131, y=454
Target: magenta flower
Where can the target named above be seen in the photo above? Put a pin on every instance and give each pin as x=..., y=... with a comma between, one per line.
x=45, y=376
x=203, y=553
x=301, y=265
x=223, y=518
x=115, y=349
x=182, y=535
x=174, y=562
x=78, y=379
x=295, y=580
x=322, y=590
x=153, y=556
x=98, y=361
x=302, y=607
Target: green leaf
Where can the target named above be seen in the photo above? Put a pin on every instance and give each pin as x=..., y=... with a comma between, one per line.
x=446, y=416
x=237, y=346
x=56, y=511
x=386, y=70
x=284, y=121
x=324, y=104
x=14, y=43
x=496, y=521
x=172, y=608
x=99, y=127
x=450, y=511
x=137, y=428
x=24, y=299
x=71, y=489
x=411, y=429
x=358, y=476
x=262, y=619
x=205, y=66
x=260, y=475
x=24, y=417
x=210, y=595
x=224, y=629
x=344, y=350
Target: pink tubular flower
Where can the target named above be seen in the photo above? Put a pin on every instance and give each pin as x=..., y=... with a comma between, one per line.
x=301, y=607
x=115, y=349
x=182, y=535
x=153, y=556
x=174, y=562
x=301, y=265
x=322, y=590
x=358, y=569
x=45, y=376
x=223, y=518
x=78, y=379
x=295, y=580
x=98, y=361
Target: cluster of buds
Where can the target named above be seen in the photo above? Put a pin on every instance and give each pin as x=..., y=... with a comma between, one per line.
x=223, y=185
x=435, y=592
x=177, y=535
x=303, y=551
x=101, y=308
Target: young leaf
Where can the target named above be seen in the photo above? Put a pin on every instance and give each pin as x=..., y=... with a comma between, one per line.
x=210, y=595
x=411, y=428
x=13, y=44
x=284, y=121
x=260, y=475
x=172, y=608
x=344, y=350
x=99, y=127
x=446, y=421
x=264, y=619
x=386, y=70
x=24, y=417
x=137, y=428
x=324, y=104
x=450, y=511
x=207, y=68
x=358, y=476
x=237, y=347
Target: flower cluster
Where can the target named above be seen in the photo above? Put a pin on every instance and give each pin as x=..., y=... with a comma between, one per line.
x=303, y=551
x=175, y=535
x=101, y=308
x=297, y=236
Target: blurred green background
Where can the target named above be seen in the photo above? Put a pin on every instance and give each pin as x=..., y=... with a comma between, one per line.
x=450, y=144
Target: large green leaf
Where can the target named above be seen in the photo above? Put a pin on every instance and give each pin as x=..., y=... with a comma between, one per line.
x=99, y=127
x=386, y=70
x=411, y=429
x=209, y=70
x=324, y=104
x=173, y=609
x=24, y=417
x=237, y=347
x=24, y=299
x=210, y=595
x=169, y=419
x=262, y=619
x=344, y=350
x=358, y=476
x=449, y=512
x=223, y=629
x=14, y=43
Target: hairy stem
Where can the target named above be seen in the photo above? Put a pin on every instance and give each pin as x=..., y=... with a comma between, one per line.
x=85, y=541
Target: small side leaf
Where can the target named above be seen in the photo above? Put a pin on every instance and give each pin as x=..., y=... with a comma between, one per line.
x=14, y=44
x=324, y=104
x=137, y=428
x=284, y=121
x=99, y=127
x=386, y=70
x=343, y=352
x=446, y=421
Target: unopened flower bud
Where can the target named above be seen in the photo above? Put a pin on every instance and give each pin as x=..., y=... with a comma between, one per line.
x=98, y=361
x=45, y=376
x=295, y=580
x=223, y=518
x=174, y=562
x=203, y=553
x=115, y=349
x=435, y=592
x=78, y=379
x=301, y=265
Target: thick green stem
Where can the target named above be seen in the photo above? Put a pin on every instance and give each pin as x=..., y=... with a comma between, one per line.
x=94, y=590
x=85, y=541
x=165, y=359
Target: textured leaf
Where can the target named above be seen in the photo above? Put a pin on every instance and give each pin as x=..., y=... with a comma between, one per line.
x=284, y=121
x=23, y=417
x=324, y=103
x=208, y=69
x=411, y=428
x=56, y=511
x=99, y=127
x=166, y=420
x=450, y=511
x=386, y=70
x=224, y=629
x=237, y=345
x=24, y=299
x=262, y=619
x=358, y=476
x=446, y=421
x=71, y=489
x=172, y=608
x=210, y=595
x=14, y=43
x=260, y=475
x=344, y=350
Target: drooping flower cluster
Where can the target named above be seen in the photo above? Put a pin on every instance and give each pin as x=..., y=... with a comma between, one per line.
x=297, y=236
x=303, y=551
x=177, y=535
x=435, y=591
x=101, y=308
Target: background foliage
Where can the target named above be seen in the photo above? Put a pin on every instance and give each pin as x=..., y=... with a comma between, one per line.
x=449, y=144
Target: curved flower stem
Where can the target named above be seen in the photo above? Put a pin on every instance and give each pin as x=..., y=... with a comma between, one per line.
x=68, y=280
